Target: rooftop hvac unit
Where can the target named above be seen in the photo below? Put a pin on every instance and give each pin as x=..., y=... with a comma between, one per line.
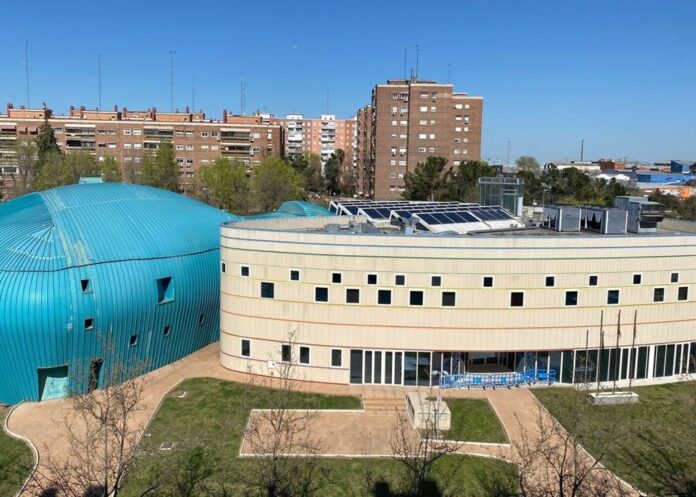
x=333, y=228
x=561, y=218
x=643, y=215
x=604, y=220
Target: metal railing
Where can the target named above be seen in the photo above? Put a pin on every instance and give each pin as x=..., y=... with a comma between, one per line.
x=498, y=380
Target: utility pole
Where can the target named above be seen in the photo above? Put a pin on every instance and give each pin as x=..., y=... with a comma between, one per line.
x=193, y=95
x=99, y=80
x=417, y=59
x=241, y=93
x=328, y=101
x=508, y=152
x=449, y=71
x=582, y=149
x=405, y=61
x=171, y=79
x=26, y=67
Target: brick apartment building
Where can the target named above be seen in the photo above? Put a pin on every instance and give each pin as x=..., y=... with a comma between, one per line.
x=126, y=135
x=322, y=136
x=407, y=121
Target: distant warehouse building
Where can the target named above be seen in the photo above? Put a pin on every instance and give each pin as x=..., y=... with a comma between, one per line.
x=414, y=294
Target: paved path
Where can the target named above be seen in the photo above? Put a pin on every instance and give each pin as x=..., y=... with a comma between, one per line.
x=350, y=433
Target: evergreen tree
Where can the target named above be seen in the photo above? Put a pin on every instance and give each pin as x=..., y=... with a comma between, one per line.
x=110, y=170
x=224, y=184
x=46, y=144
x=274, y=182
x=427, y=181
x=161, y=169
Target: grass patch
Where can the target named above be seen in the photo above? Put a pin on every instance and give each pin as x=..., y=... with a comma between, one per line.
x=661, y=423
x=474, y=420
x=214, y=413
x=16, y=461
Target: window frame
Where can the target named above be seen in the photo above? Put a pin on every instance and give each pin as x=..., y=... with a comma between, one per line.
x=442, y=298
x=243, y=267
x=553, y=281
x=352, y=290
x=283, y=348
x=334, y=274
x=439, y=280
x=672, y=276
x=640, y=278
x=308, y=349
x=589, y=280
x=396, y=283
x=518, y=292
x=411, y=294
x=483, y=281
x=389, y=291
x=679, y=292
x=577, y=298
x=299, y=274
x=317, y=288
x=662, y=296
x=265, y=284
x=241, y=347
x=618, y=296
x=367, y=278
x=331, y=357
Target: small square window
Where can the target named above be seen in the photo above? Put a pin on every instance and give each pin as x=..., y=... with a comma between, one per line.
x=384, y=297
x=550, y=281
x=674, y=278
x=659, y=295
x=86, y=286
x=246, y=348
x=294, y=275
x=683, y=293
x=436, y=281
x=286, y=353
x=321, y=294
x=304, y=355
x=244, y=270
x=516, y=299
x=415, y=297
x=571, y=298
x=352, y=296
x=488, y=281
x=165, y=290
x=336, y=358
x=371, y=279
x=166, y=331
x=637, y=278
x=400, y=279
x=336, y=277
x=448, y=299
x=223, y=267
x=612, y=297
x=267, y=290
x=89, y=324
x=133, y=341
x=593, y=280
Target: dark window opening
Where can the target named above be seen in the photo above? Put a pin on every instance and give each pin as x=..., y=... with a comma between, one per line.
x=223, y=267
x=201, y=319
x=637, y=278
x=246, y=348
x=674, y=278
x=593, y=280
x=336, y=277
x=267, y=290
x=94, y=374
x=488, y=281
x=448, y=299
x=436, y=281
x=415, y=297
x=384, y=297
x=166, y=331
x=400, y=280
x=165, y=290
x=244, y=270
x=321, y=294
x=89, y=324
x=336, y=358
x=571, y=298
x=294, y=275
x=133, y=341
x=683, y=293
x=304, y=355
x=371, y=279
x=612, y=297
x=550, y=281
x=352, y=296
x=659, y=295
x=86, y=286
x=516, y=299
x=286, y=353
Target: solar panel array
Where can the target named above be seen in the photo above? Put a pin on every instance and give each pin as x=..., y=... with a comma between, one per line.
x=427, y=214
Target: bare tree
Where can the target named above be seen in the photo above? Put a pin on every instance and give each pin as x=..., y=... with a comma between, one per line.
x=280, y=439
x=101, y=434
x=551, y=459
x=418, y=451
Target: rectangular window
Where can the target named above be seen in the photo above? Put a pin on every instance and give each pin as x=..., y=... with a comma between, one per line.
x=286, y=353
x=415, y=297
x=674, y=278
x=304, y=355
x=89, y=324
x=593, y=280
x=165, y=290
x=371, y=279
x=448, y=299
x=683, y=293
x=267, y=290
x=516, y=299
x=336, y=277
x=223, y=267
x=384, y=297
x=488, y=281
x=244, y=270
x=637, y=278
x=246, y=348
x=612, y=297
x=336, y=358
x=550, y=281
x=86, y=286
x=436, y=281
x=400, y=279
x=133, y=341
x=659, y=295
x=352, y=296
x=294, y=275
x=571, y=298
x=321, y=294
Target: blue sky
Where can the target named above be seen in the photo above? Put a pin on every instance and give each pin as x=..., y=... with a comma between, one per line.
x=619, y=73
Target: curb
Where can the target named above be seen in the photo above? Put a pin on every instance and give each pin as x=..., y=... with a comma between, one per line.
x=26, y=441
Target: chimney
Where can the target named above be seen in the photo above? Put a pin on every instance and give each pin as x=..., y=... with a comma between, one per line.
x=224, y=115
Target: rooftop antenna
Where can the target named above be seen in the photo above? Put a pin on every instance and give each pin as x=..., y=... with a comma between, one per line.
x=171, y=79
x=99, y=79
x=241, y=93
x=328, y=101
x=26, y=67
x=508, y=152
x=582, y=149
x=193, y=95
x=417, y=59
x=405, y=61
x=449, y=71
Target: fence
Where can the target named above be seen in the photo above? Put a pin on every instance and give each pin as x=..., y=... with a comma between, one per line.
x=497, y=380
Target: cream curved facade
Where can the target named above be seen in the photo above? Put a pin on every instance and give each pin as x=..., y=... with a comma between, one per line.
x=372, y=330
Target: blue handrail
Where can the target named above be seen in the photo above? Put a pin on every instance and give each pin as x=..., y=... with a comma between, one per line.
x=493, y=380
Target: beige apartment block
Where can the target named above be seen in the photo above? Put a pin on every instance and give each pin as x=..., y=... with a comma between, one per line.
x=403, y=309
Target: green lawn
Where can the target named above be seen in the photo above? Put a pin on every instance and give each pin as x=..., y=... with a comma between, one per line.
x=213, y=415
x=655, y=449
x=474, y=420
x=16, y=461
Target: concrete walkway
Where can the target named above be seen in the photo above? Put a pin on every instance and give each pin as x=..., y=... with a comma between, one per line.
x=349, y=434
